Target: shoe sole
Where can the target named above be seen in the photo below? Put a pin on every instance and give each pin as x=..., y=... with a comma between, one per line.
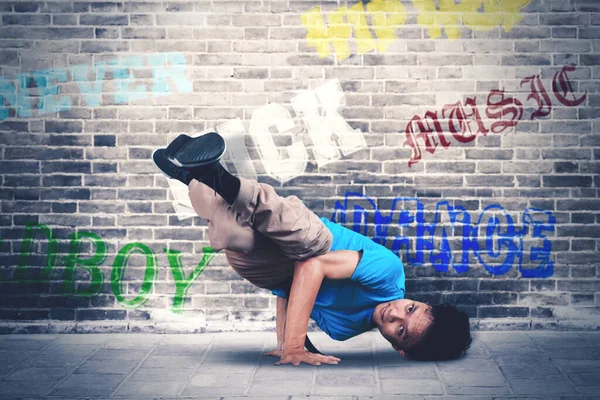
x=154, y=162
x=200, y=164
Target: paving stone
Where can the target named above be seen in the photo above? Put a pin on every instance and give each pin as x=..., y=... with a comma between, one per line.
x=119, y=354
x=464, y=365
x=97, y=339
x=349, y=390
x=550, y=341
x=290, y=387
x=473, y=378
x=513, y=347
x=227, y=367
x=477, y=390
x=318, y=397
x=145, y=388
x=593, y=390
x=179, y=350
x=282, y=372
x=12, y=358
x=483, y=397
x=403, y=386
x=187, y=340
x=88, y=385
x=106, y=367
x=176, y=366
x=220, y=380
x=55, y=360
x=518, y=359
x=544, y=397
x=576, y=366
x=585, y=379
x=281, y=397
x=541, y=370
x=38, y=373
x=170, y=362
x=551, y=386
x=503, y=336
x=62, y=348
x=592, y=338
x=231, y=389
x=392, y=397
x=132, y=341
x=30, y=387
x=160, y=374
x=24, y=344
x=578, y=353
x=345, y=379
x=415, y=371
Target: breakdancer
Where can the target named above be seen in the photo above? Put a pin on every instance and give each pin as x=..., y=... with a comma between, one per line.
x=344, y=281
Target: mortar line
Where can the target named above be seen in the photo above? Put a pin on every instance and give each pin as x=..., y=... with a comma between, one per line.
x=136, y=367
x=77, y=366
x=28, y=358
x=375, y=367
x=491, y=357
x=439, y=375
x=251, y=381
x=553, y=363
x=189, y=378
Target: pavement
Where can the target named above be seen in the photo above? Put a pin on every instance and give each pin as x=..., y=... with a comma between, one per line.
x=544, y=365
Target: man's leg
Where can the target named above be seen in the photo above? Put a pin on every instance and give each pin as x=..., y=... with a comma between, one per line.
x=253, y=256
x=295, y=230
x=298, y=232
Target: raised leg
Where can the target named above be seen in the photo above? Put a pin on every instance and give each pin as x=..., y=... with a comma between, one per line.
x=253, y=256
x=296, y=230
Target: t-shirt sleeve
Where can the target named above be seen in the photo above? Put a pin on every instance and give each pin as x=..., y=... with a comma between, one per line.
x=280, y=293
x=380, y=270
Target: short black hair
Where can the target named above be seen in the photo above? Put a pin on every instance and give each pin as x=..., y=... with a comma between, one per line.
x=447, y=337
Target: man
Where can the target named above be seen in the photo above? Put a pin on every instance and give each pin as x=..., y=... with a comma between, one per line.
x=343, y=280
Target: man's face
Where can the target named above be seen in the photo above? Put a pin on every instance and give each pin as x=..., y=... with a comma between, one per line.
x=402, y=322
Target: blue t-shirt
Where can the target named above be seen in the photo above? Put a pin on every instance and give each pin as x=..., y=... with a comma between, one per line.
x=344, y=307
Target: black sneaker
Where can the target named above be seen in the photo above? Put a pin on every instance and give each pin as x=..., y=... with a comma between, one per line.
x=201, y=151
x=177, y=144
x=170, y=170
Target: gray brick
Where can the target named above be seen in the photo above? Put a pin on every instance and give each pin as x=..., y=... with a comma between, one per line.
x=26, y=19
x=103, y=19
x=501, y=312
x=567, y=181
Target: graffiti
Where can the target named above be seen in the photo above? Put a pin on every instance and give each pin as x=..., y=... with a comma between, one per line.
x=479, y=15
x=494, y=238
x=48, y=98
x=331, y=135
x=74, y=261
x=505, y=112
x=387, y=15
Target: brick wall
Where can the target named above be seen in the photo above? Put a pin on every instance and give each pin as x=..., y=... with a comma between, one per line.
x=477, y=164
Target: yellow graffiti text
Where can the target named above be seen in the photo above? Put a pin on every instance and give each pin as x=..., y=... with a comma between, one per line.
x=335, y=30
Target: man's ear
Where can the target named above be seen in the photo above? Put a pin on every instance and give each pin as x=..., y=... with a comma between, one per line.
x=399, y=350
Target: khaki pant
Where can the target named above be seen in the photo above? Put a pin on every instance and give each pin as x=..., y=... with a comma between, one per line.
x=262, y=233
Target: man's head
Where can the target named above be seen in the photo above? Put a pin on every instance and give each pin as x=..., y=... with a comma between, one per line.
x=424, y=332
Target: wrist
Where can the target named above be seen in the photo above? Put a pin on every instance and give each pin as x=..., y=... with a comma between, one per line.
x=287, y=348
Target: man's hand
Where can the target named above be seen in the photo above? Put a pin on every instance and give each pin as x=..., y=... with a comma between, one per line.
x=307, y=357
x=274, y=353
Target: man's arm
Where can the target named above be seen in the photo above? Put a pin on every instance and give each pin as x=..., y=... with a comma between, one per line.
x=308, y=276
x=279, y=327
x=280, y=322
